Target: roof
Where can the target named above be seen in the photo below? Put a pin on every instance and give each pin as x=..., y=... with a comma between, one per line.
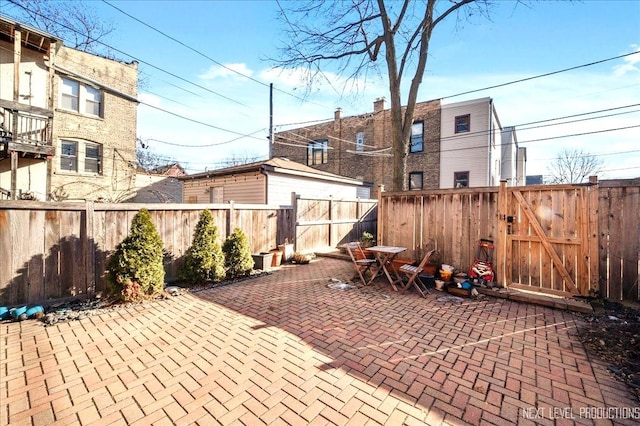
x=280, y=165
x=32, y=38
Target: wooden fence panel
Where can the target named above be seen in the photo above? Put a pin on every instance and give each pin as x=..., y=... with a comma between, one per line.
x=619, y=225
x=323, y=224
x=450, y=221
x=59, y=250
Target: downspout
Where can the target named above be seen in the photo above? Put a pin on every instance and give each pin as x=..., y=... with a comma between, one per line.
x=491, y=137
x=266, y=183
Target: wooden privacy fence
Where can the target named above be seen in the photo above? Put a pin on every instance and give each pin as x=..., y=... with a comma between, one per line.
x=557, y=239
x=619, y=238
x=327, y=223
x=57, y=250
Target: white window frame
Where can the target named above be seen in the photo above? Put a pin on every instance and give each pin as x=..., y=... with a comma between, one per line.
x=90, y=160
x=80, y=157
x=68, y=158
x=80, y=98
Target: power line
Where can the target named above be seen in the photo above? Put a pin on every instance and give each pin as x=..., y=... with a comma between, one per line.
x=208, y=145
x=207, y=56
x=542, y=75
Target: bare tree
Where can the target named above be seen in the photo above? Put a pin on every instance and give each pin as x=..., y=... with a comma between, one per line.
x=145, y=158
x=72, y=21
x=574, y=166
x=352, y=35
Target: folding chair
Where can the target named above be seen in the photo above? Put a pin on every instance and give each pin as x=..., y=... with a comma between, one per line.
x=361, y=263
x=413, y=275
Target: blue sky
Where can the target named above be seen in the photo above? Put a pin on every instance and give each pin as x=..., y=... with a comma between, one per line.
x=519, y=41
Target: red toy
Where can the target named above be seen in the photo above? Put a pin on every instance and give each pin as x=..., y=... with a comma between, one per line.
x=482, y=267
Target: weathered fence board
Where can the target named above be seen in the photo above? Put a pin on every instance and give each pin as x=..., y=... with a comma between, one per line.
x=546, y=236
x=449, y=221
x=619, y=224
x=59, y=250
x=327, y=223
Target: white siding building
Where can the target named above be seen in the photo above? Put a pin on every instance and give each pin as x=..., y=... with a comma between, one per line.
x=474, y=148
x=269, y=182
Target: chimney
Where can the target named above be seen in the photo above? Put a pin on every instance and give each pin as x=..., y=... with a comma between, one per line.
x=338, y=114
x=378, y=105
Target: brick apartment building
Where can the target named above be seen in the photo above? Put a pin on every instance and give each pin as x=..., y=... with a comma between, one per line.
x=454, y=145
x=67, y=120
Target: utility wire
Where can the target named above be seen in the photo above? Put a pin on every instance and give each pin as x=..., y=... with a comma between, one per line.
x=543, y=75
x=207, y=56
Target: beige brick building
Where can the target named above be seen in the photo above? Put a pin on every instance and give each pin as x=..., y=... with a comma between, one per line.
x=68, y=120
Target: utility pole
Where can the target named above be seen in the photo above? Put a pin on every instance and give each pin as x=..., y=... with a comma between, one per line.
x=271, y=141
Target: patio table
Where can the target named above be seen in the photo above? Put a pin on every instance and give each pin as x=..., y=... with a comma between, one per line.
x=384, y=255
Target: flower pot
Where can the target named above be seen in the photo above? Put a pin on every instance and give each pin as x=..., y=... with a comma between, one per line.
x=287, y=251
x=277, y=257
x=262, y=261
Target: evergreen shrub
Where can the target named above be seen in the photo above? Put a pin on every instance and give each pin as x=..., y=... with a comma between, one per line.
x=135, y=269
x=237, y=252
x=204, y=260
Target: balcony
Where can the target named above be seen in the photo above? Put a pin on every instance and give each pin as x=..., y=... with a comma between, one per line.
x=26, y=130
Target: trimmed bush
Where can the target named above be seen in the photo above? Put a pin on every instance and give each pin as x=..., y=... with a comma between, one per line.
x=135, y=269
x=238, y=260
x=204, y=260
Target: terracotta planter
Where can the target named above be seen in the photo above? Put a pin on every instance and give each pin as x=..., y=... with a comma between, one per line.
x=367, y=254
x=277, y=257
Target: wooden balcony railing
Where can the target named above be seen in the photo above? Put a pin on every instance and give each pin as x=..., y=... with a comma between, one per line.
x=25, y=129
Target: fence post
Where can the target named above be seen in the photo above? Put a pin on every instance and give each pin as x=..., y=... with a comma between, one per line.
x=89, y=248
x=381, y=218
x=294, y=221
x=501, y=244
x=593, y=233
x=231, y=220
x=331, y=225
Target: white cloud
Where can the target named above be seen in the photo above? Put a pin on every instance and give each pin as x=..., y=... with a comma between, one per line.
x=150, y=99
x=226, y=71
x=629, y=65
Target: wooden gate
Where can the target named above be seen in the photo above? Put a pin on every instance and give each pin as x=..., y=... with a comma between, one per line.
x=549, y=238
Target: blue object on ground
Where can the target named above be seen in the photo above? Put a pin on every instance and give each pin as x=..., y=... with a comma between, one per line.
x=34, y=310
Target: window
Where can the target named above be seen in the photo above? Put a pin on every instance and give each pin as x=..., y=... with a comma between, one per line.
x=70, y=94
x=463, y=123
x=415, y=180
x=417, y=140
x=92, y=158
x=81, y=98
x=92, y=101
x=317, y=153
x=69, y=156
x=360, y=141
x=461, y=179
x=80, y=156
x=216, y=194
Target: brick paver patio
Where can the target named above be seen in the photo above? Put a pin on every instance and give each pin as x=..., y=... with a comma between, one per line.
x=287, y=349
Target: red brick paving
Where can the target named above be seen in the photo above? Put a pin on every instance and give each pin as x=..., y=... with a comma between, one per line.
x=287, y=349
